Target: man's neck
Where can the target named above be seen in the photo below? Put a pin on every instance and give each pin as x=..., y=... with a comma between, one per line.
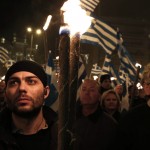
x=29, y=126
x=89, y=109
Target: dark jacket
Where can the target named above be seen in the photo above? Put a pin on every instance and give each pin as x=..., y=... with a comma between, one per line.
x=7, y=140
x=95, y=132
x=134, y=129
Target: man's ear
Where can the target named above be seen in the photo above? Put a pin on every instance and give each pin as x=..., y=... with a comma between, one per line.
x=46, y=92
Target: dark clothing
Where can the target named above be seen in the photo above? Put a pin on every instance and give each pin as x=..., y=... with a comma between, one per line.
x=2, y=103
x=102, y=90
x=134, y=129
x=135, y=101
x=116, y=115
x=95, y=132
x=44, y=139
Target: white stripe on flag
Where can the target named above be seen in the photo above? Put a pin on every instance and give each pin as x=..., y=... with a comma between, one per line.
x=48, y=70
x=81, y=75
x=89, y=5
x=4, y=57
x=101, y=34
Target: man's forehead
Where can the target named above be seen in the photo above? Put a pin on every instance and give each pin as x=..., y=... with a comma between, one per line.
x=22, y=73
x=90, y=84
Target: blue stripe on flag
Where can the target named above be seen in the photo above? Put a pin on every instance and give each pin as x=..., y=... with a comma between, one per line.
x=127, y=63
x=89, y=5
x=4, y=57
x=101, y=34
x=109, y=68
x=53, y=90
x=82, y=74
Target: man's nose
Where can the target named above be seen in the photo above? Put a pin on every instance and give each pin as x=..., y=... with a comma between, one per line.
x=22, y=85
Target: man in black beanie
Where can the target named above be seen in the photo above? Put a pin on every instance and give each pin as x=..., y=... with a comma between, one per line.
x=105, y=83
x=26, y=123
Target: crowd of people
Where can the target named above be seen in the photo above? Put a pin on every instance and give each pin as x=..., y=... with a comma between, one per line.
x=27, y=123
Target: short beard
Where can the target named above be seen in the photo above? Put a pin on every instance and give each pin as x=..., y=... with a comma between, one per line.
x=27, y=114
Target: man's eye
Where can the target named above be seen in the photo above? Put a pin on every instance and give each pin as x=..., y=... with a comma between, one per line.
x=12, y=82
x=31, y=81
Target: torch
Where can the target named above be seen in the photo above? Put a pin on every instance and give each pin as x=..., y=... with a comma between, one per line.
x=69, y=52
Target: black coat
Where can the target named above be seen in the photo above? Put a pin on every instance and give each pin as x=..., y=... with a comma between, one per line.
x=134, y=129
x=7, y=138
x=95, y=132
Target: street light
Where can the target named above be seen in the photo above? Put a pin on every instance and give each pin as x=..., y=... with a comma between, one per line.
x=38, y=32
x=48, y=20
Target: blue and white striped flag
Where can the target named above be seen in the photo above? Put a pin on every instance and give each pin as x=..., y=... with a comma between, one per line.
x=126, y=82
x=109, y=68
x=106, y=64
x=101, y=34
x=127, y=63
x=4, y=57
x=89, y=5
x=52, y=82
x=49, y=68
x=96, y=70
x=82, y=74
x=123, y=75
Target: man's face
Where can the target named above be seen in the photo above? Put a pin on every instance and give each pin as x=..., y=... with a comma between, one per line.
x=89, y=93
x=119, y=89
x=106, y=84
x=146, y=86
x=24, y=93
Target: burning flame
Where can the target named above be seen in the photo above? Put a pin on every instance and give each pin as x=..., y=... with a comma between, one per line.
x=113, y=78
x=76, y=18
x=138, y=65
x=139, y=86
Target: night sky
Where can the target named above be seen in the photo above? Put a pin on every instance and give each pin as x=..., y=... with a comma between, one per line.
x=16, y=15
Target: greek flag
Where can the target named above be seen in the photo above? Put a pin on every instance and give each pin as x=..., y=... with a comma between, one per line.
x=101, y=34
x=52, y=82
x=4, y=57
x=89, y=5
x=82, y=74
x=96, y=70
x=127, y=63
x=109, y=68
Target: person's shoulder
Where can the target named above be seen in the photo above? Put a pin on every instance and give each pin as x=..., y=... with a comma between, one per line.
x=135, y=114
x=138, y=109
x=49, y=114
x=5, y=114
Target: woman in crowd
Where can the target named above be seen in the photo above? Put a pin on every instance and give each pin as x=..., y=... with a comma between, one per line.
x=110, y=103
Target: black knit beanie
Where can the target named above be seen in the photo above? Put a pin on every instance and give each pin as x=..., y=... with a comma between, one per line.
x=29, y=66
x=104, y=77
